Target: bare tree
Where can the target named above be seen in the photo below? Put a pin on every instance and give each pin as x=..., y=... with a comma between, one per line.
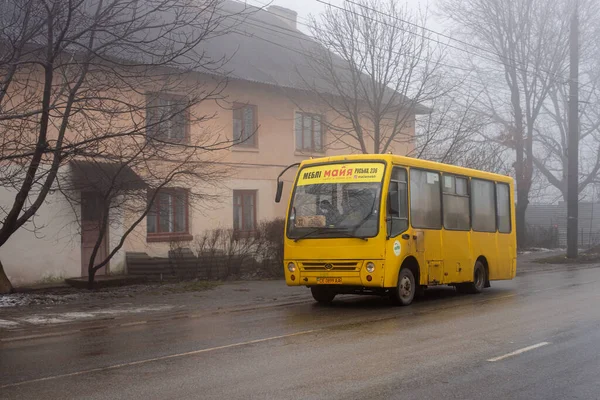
x=551, y=137
x=520, y=50
x=376, y=69
x=128, y=188
x=75, y=78
x=454, y=133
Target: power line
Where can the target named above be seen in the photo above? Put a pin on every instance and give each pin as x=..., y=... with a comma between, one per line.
x=554, y=74
x=287, y=32
x=501, y=71
x=304, y=54
x=303, y=37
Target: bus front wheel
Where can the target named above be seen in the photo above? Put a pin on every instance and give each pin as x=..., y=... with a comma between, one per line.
x=405, y=289
x=479, y=280
x=322, y=294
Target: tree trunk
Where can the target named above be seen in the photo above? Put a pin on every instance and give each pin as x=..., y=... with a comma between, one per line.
x=91, y=275
x=5, y=285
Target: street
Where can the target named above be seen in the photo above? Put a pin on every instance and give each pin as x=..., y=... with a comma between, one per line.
x=537, y=337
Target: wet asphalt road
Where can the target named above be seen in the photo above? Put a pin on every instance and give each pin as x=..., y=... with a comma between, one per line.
x=359, y=348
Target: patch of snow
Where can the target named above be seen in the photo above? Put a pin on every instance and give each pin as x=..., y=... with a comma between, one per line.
x=58, y=318
x=42, y=319
x=26, y=299
x=77, y=315
x=134, y=310
x=542, y=249
x=4, y=323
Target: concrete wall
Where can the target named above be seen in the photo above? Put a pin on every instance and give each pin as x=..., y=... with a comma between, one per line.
x=47, y=248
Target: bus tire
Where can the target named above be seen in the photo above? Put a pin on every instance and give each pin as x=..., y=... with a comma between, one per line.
x=406, y=288
x=322, y=295
x=479, y=280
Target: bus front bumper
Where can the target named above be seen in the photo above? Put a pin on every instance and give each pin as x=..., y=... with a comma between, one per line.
x=334, y=273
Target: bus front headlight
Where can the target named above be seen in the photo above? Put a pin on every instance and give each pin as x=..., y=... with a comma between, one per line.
x=370, y=267
x=292, y=267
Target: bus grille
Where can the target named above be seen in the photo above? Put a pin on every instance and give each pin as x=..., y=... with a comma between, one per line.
x=320, y=266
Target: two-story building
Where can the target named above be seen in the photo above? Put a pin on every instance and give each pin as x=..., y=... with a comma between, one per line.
x=268, y=114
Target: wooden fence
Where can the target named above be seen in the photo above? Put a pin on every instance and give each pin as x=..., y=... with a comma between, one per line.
x=183, y=264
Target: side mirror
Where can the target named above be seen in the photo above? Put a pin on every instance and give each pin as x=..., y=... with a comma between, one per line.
x=279, y=191
x=392, y=201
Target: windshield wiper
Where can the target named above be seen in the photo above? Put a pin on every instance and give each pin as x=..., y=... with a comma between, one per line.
x=307, y=234
x=331, y=230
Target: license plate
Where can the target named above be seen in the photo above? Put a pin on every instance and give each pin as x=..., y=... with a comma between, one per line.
x=329, y=281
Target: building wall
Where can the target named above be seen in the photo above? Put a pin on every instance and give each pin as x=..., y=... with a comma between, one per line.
x=251, y=168
x=48, y=248
x=54, y=249
x=44, y=249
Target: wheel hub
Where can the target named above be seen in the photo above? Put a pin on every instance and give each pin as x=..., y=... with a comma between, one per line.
x=405, y=287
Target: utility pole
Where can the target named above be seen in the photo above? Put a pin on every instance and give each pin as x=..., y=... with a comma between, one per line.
x=573, y=142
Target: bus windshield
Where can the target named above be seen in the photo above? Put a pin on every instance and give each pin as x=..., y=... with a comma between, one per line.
x=336, y=201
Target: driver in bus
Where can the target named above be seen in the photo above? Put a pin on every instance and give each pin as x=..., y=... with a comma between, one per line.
x=329, y=211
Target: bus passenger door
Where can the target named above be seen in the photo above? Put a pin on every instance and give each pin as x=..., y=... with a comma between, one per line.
x=456, y=238
x=426, y=219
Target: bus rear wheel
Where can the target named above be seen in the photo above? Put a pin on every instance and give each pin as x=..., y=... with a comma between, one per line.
x=322, y=294
x=406, y=288
x=479, y=280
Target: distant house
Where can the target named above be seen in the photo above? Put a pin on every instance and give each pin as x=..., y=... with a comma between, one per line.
x=270, y=115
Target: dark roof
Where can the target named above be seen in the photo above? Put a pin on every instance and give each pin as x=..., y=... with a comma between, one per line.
x=258, y=46
x=263, y=48
x=95, y=176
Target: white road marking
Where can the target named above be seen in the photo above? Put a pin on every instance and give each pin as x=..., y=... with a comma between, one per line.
x=149, y=360
x=134, y=323
x=520, y=351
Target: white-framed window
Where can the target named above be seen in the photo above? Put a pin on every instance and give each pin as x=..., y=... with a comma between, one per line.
x=167, y=118
x=309, y=132
x=245, y=125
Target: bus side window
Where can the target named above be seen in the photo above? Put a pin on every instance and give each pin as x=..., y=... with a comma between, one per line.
x=456, y=204
x=425, y=199
x=397, y=221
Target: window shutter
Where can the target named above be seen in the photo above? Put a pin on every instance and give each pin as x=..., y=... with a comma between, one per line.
x=307, y=132
x=152, y=116
x=298, y=131
x=249, y=126
x=318, y=138
x=179, y=118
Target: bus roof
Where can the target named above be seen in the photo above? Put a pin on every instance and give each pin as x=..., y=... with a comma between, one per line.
x=411, y=162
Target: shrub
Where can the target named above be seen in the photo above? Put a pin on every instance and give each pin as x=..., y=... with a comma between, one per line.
x=224, y=253
x=271, y=235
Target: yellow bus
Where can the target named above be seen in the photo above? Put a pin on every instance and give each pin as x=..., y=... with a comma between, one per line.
x=393, y=226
